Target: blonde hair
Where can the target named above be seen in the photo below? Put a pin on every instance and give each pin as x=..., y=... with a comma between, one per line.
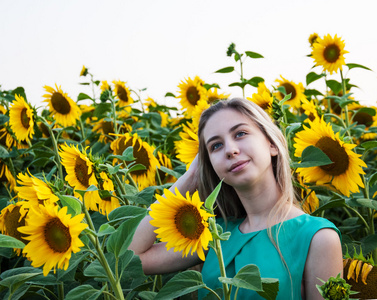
x=228, y=203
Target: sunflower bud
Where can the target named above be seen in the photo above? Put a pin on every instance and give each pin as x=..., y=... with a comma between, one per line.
x=335, y=289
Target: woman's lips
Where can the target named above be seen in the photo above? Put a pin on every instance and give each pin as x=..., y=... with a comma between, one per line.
x=238, y=166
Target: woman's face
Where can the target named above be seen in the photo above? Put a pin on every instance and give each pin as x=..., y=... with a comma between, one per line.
x=239, y=152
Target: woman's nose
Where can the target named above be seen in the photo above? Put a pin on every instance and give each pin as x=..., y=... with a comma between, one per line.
x=232, y=150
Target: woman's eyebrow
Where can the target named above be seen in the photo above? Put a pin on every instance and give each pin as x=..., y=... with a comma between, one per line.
x=233, y=128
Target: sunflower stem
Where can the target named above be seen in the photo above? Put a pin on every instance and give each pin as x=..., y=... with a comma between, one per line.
x=346, y=118
x=113, y=108
x=122, y=189
x=117, y=289
x=360, y=216
x=55, y=145
x=61, y=291
x=219, y=254
x=82, y=130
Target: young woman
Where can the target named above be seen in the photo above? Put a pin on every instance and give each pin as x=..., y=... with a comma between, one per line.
x=239, y=143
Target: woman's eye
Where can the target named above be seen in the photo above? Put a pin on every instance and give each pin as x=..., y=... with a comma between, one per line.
x=241, y=133
x=215, y=146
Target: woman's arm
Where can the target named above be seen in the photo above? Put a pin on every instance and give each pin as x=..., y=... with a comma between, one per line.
x=324, y=260
x=154, y=257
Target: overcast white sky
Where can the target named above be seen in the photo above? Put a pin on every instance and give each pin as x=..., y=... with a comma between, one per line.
x=155, y=44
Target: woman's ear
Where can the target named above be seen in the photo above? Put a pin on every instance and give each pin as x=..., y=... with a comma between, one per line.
x=273, y=150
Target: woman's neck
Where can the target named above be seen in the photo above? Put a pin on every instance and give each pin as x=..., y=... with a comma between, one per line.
x=258, y=203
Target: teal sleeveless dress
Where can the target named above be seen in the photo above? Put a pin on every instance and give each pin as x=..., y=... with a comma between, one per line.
x=256, y=248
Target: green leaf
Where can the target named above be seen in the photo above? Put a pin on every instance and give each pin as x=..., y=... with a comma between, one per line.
x=312, y=157
x=253, y=54
x=181, y=284
x=352, y=66
x=83, y=96
x=113, y=169
x=312, y=76
x=328, y=205
x=7, y=241
x=119, y=241
x=311, y=92
x=170, y=172
x=240, y=84
x=255, y=81
x=248, y=277
x=270, y=288
x=369, y=145
x=73, y=204
x=367, y=110
x=209, y=86
x=105, y=229
x=3, y=152
x=211, y=199
x=16, y=281
x=3, y=119
x=334, y=85
x=126, y=212
x=169, y=95
x=370, y=203
x=84, y=291
x=225, y=70
x=147, y=295
x=373, y=179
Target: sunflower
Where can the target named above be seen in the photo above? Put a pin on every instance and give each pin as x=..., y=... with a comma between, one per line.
x=107, y=204
x=310, y=109
x=296, y=91
x=11, y=218
x=165, y=162
x=311, y=201
x=313, y=39
x=84, y=71
x=150, y=103
x=21, y=119
x=106, y=130
x=143, y=153
x=53, y=235
x=122, y=93
x=34, y=190
x=80, y=173
x=213, y=95
x=344, y=172
x=6, y=176
x=181, y=222
x=64, y=109
x=104, y=86
x=263, y=98
x=201, y=106
x=188, y=147
x=191, y=91
x=329, y=53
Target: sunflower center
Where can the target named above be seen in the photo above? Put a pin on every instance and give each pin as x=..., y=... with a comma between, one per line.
x=11, y=222
x=336, y=153
x=289, y=89
x=57, y=235
x=331, y=53
x=141, y=155
x=363, y=118
x=25, y=120
x=107, y=127
x=189, y=222
x=60, y=103
x=81, y=171
x=192, y=95
x=122, y=94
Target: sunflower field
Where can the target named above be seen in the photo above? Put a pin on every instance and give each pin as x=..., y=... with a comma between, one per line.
x=77, y=177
